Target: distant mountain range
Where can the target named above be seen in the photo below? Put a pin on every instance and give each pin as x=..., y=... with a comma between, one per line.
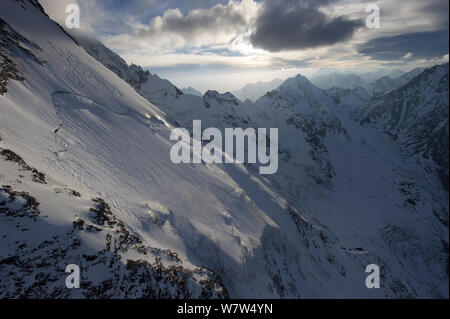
x=353, y=80
x=254, y=91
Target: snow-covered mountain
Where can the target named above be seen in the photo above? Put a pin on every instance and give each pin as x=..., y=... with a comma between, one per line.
x=254, y=91
x=386, y=83
x=133, y=74
x=192, y=91
x=86, y=179
x=66, y=123
x=371, y=82
x=416, y=115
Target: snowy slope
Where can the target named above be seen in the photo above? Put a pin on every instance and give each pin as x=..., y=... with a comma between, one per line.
x=77, y=140
x=133, y=74
x=73, y=131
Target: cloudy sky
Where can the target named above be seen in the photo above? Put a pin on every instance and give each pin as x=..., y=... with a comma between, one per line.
x=224, y=44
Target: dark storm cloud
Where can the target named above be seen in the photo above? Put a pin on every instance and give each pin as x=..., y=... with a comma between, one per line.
x=299, y=24
x=439, y=10
x=424, y=45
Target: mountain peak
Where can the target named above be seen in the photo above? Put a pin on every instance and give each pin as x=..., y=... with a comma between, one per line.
x=221, y=98
x=190, y=90
x=302, y=79
x=296, y=83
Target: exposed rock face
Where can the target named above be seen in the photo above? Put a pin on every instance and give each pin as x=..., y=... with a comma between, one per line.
x=35, y=253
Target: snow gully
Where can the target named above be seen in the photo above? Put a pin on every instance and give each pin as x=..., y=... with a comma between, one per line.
x=257, y=145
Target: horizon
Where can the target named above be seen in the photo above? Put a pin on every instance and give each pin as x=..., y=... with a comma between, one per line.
x=224, y=45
